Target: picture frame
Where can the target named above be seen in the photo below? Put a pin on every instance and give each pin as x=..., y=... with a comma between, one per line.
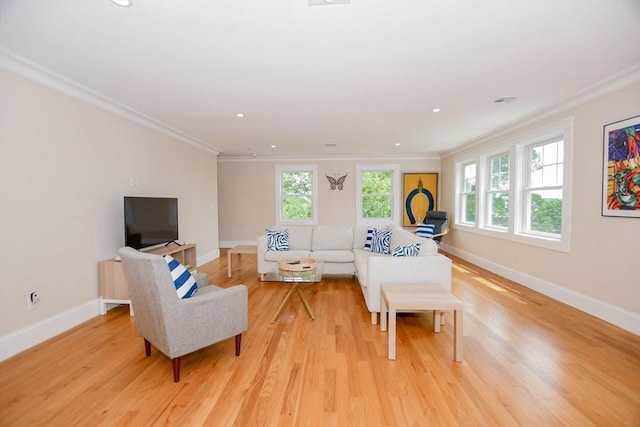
x=419, y=195
x=621, y=168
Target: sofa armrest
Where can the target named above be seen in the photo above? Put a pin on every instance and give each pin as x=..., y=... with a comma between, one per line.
x=423, y=269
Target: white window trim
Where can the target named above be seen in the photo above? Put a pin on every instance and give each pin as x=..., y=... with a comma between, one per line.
x=397, y=202
x=516, y=147
x=460, y=182
x=314, y=188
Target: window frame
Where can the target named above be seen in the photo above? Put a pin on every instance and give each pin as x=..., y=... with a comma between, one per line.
x=462, y=193
x=396, y=194
x=517, y=147
x=313, y=169
x=489, y=191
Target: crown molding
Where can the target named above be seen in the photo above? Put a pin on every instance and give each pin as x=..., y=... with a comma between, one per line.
x=13, y=63
x=333, y=158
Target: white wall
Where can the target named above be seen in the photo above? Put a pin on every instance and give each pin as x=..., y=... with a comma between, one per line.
x=247, y=193
x=65, y=166
x=600, y=272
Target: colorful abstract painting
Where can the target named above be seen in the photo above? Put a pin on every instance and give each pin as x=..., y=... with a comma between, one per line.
x=621, y=175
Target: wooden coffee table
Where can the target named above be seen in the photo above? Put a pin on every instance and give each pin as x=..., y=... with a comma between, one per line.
x=297, y=272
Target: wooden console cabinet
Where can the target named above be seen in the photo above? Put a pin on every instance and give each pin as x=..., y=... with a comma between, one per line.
x=114, y=288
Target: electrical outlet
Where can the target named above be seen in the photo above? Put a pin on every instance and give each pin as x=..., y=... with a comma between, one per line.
x=33, y=299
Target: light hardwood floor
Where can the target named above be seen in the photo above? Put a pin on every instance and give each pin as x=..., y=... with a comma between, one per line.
x=528, y=360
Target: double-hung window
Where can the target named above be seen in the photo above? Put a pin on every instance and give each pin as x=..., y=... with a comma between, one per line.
x=542, y=192
x=378, y=193
x=297, y=195
x=497, y=193
x=467, y=194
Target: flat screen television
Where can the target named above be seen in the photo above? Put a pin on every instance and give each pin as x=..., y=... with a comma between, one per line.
x=150, y=221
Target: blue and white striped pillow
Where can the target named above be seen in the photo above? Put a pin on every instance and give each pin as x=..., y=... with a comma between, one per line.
x=277, y=240
x=425, y=230
x=381, y=241
x=407, y=250
x=184, y=282
x=369, y=238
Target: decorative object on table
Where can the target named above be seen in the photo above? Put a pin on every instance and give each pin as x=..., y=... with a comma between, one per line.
x=420, y=195
x=336, y=182
x=621, y=168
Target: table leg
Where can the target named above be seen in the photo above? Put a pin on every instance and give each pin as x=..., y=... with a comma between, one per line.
x=304, y=301
x=436, y=320
x=383, y=312
x=229, y=264
x=392, y=332
x=457, y=335
x=284, y=301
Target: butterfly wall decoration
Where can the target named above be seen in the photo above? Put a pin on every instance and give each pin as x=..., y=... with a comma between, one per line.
x=336, y=183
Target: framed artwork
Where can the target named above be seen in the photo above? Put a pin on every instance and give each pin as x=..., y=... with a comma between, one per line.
x=621, y=168
x=420, y=194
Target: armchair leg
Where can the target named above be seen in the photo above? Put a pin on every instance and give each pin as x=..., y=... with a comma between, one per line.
x=176, y=369
x=238, y=341
x=147, y=348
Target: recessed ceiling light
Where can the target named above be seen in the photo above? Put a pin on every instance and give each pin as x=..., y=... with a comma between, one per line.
x=240, y=115
x=273, y=146
x=123, y=3
x=397, y=144
x=436, y=110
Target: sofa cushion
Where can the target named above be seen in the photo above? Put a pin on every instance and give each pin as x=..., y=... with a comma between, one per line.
x=299, y=237
x=368, y=241
x=341, y=255
x=407, y=250
x=278, y=255
x=182, y=279
x=332, y=237
x=277, y=240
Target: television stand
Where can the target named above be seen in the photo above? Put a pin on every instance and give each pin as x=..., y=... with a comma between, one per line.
x=114, y=289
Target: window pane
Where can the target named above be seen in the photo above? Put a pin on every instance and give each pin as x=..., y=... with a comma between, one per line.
x=297, y=207
x=499, y=179
x=499, y=210
x=296, y=182
x=546, y=211
x=470, y=177
x=470, y=208
x=376, y=207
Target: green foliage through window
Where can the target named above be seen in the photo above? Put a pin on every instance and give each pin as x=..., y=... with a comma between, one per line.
x=297, y=195
x=377, y=194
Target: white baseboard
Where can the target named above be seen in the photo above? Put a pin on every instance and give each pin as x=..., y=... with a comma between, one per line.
x=25, y=338
x=620, y=317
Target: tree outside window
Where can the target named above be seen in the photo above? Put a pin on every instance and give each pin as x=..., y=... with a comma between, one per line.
x=377, y=194
x=498, y=191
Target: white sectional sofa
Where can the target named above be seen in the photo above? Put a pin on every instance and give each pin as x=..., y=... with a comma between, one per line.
x=342, y=249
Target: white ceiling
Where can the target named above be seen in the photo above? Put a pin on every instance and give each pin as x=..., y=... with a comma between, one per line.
x=363, y=75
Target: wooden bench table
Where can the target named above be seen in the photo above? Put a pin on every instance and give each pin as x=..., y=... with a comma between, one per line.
x=239, y=250
x=413, y=297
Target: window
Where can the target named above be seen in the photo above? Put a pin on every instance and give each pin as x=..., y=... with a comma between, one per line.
x=523, y=189
x=379, y=193
x=467, y=201
x=543, y=188
x=497, y=194
x=297, y=195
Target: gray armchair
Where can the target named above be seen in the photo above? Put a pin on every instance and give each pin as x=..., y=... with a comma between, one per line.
x=177, y=326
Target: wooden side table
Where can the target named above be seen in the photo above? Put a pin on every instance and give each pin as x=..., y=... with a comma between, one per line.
x=412, y=297
x=239, y=250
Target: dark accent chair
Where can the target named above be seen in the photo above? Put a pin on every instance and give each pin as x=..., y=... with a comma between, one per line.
x=440, y=219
